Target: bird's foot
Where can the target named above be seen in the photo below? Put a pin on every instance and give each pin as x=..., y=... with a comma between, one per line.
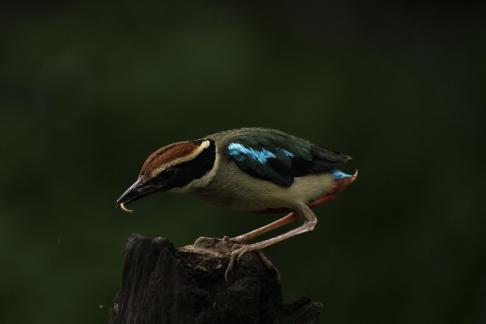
x=237, y=239
x=240, y=251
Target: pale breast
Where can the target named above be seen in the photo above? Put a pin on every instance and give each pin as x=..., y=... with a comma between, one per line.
x=235, y=189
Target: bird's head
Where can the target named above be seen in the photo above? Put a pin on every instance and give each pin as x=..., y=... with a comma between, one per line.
x=175, y=166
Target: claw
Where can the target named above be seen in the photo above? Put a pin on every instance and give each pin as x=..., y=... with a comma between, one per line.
x=240, y=251
x=236, y=254
x=268, y=264
x=229, y=268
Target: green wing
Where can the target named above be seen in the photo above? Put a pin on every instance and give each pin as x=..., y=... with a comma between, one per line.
x=278, y=157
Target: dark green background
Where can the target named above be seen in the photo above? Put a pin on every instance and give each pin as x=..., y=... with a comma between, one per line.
x=88, y=91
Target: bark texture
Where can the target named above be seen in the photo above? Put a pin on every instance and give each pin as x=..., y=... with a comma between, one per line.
x=161, y=284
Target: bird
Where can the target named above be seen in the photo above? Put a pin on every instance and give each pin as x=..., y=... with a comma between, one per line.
x=253, y=169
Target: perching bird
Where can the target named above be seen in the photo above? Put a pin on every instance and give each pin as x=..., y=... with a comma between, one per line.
x=249, y=169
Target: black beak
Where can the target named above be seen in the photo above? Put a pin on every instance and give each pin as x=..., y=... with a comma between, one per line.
x=136, y=191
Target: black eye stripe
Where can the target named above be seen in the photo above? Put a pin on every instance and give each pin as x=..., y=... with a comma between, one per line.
x=181, y=174
x=196, y=168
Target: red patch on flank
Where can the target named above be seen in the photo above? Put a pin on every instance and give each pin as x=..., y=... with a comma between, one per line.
x=322, y=199
x=167, y=154
x=339, y=185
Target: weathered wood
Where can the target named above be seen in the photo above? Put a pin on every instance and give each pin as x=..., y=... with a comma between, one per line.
x=161, y=284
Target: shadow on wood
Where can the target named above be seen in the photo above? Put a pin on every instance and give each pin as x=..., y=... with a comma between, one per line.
x=161, y=284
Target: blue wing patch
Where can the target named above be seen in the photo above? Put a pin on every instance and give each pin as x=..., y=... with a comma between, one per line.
x=263, y=163
x=240, y=152
x=289, y=154
x=338, y=174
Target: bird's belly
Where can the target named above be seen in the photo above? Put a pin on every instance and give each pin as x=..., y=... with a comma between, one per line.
x=245, y=193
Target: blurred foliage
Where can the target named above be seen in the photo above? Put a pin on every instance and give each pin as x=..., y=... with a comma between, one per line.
x=89, y=90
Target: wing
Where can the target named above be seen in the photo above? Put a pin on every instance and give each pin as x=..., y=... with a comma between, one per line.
x=278, y=157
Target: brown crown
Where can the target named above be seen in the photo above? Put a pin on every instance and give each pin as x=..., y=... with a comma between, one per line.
x=166, y=154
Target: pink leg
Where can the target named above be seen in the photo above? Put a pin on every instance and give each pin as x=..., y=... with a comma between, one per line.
x=264, y=229
x=302, y=210
x=306, y=227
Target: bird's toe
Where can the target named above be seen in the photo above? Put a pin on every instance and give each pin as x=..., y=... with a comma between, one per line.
x=268, y=264
x=230, y=267
x=242, y=251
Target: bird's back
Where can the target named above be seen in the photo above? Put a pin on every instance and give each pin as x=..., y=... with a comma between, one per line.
x=276, y=156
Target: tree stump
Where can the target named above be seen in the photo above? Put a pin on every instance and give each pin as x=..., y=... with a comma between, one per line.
x=161, y=284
